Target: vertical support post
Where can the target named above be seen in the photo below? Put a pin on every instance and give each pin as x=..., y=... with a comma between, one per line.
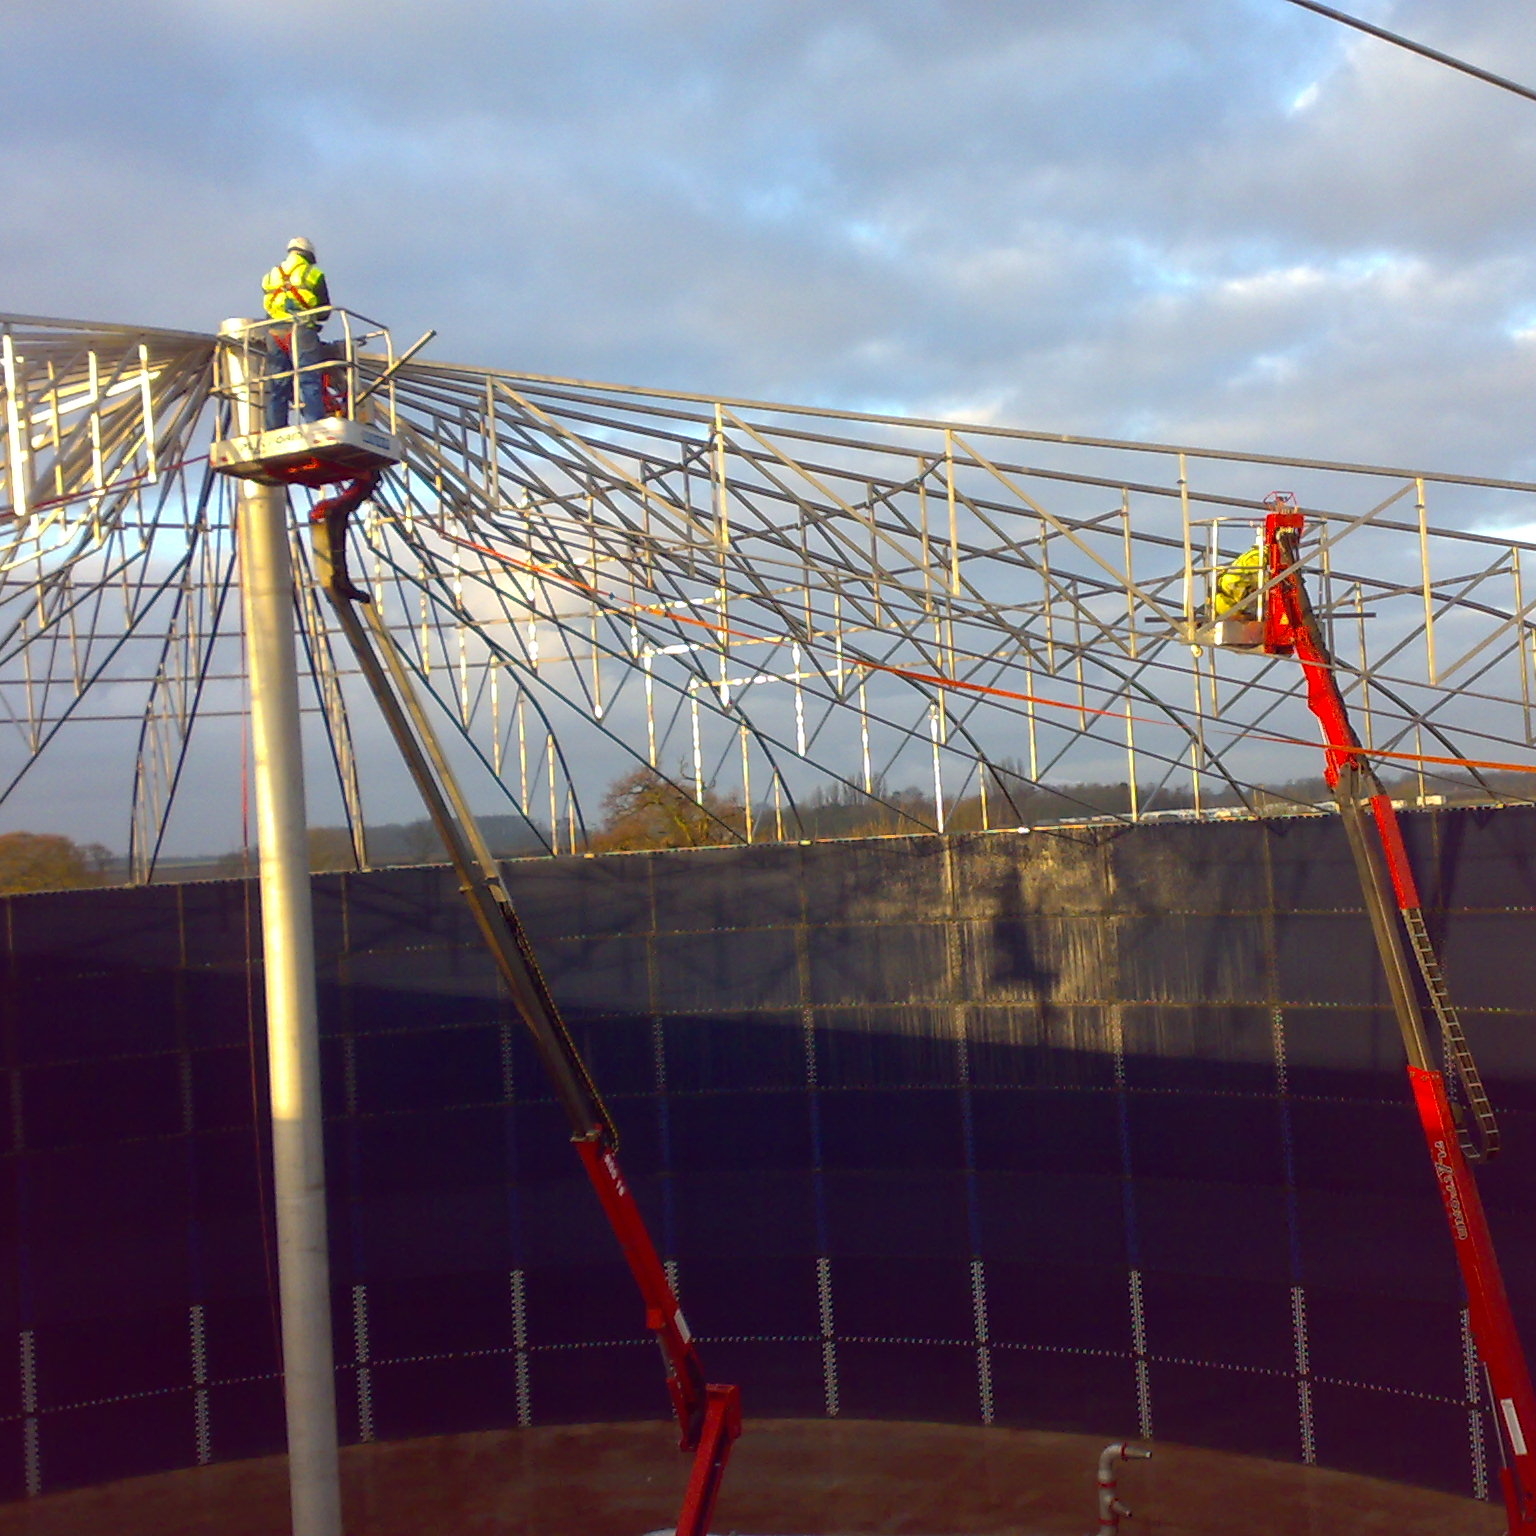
x=55, y=428
x=1213, y=563
x=1522, y=641
x=593, y=609
x=554, y=797
x=288, y=949
x=746, y=779
x=796, y=677
x=93, y=421
x=498, y=742
x=18, y=470
x=146, y=404
x=488, y=443
x=1189, y=547
x=951, y=667
x=1429, y=585
x=723, y=549
x=1325, y=578
x=647, y=661
x=1197, y=741
x=1034, y=743
x=867, y=778
x=1365, y=666
x=1130, y=756
x=1127, y=543
x=524, y=803
x=936, y=734
x=698, y=745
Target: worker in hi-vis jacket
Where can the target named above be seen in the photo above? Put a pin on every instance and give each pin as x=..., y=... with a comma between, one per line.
x=1237, y=586
x=295, y=290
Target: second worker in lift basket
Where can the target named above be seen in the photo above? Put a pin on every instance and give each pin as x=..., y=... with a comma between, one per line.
x=295, y=291
x=1236, y=594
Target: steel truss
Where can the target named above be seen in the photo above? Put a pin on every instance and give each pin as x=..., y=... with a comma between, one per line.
x=767, y=604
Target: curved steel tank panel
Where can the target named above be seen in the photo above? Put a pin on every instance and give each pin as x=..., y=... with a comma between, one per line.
x=1099, y=1129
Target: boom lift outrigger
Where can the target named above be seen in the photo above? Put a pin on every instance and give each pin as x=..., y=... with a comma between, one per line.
x=1277, y=619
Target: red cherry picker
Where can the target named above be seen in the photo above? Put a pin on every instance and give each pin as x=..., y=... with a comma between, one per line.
x=708, y=1414
x=1275, y=617
x=341, y=451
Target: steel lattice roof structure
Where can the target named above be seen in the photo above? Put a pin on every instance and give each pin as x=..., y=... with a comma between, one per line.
x=765, y=603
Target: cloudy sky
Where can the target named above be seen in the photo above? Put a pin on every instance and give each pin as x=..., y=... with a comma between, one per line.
x=1225, y=222
x=1230, y=223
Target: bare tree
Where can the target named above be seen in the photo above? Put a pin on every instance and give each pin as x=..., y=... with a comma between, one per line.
x=646, y=810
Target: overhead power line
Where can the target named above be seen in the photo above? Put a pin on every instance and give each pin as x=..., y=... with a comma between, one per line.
x=1418, y=48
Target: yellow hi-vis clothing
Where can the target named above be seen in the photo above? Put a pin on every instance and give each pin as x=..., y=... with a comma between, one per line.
x=1236, y=585
x=295, y=285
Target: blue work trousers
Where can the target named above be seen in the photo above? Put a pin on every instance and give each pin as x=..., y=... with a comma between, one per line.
x=306, y=343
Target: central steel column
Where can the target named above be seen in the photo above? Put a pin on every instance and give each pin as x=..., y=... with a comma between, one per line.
x=288, y=949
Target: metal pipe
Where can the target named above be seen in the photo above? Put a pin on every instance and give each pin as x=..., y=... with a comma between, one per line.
x=1434, y=54
x=288, y=950
x=394, y=368
x=1111, y=1510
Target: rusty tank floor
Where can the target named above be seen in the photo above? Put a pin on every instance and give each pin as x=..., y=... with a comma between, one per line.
x=806, y=1476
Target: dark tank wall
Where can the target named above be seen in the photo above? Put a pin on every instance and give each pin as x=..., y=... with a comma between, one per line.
x=1101, y=1129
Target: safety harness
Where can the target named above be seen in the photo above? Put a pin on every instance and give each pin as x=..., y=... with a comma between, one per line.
x=291, y=289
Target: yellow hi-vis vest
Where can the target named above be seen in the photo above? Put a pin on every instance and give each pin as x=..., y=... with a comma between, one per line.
x=296, y=284
x=1237, y=584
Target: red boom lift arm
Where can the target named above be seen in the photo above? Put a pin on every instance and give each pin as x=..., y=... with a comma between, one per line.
x=1392, y=901
x=708, y=1415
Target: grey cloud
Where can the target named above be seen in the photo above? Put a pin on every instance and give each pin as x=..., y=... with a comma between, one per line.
x=1080, y=215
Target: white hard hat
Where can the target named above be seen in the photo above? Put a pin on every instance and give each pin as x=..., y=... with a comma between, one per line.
x=301, y=243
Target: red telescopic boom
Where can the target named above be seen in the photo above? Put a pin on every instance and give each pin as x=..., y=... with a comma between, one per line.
x=1392, y=901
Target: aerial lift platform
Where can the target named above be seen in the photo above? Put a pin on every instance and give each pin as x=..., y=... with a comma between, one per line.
x=346, y=450
x=1262, y=608
x=357, y=433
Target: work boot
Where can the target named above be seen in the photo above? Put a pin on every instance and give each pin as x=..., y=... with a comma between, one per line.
x=343, y=586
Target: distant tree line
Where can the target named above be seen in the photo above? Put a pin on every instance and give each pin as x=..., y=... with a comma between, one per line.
x=409, y=842
x=45, y=861
x=646, y=809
